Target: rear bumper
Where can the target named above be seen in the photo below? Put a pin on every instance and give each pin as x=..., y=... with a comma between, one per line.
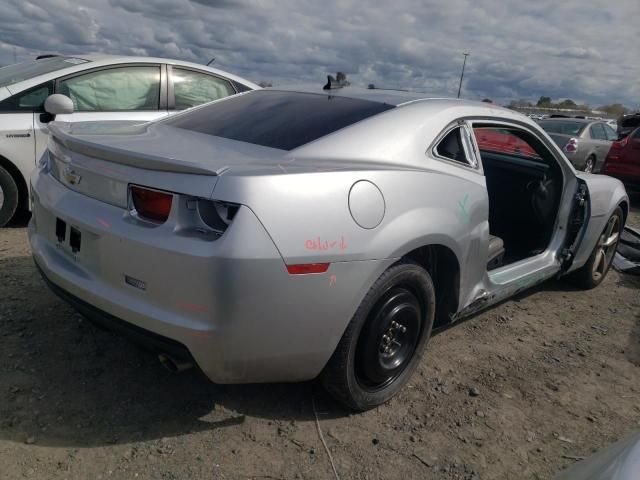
x=144, y=338
x=229, y=302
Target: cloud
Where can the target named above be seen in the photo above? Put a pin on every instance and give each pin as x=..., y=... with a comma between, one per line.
x=519, y=49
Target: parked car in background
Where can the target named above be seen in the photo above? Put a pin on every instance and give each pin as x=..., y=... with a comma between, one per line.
x=281, y=235
x=627, y=123
x=98, y=87
x=584, y=142
x=623, y=160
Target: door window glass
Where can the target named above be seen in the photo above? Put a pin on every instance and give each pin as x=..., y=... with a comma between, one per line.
x=194, y=88
x=115, y=89
x=504, y=141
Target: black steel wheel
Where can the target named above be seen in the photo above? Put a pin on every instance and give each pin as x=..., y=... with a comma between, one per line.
x=387, y=343
x=384, y=341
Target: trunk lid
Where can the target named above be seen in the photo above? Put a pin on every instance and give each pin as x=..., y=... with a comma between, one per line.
x=158, y=147
x=101, y=159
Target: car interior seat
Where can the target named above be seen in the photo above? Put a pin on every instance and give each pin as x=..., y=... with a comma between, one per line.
x=496, y=252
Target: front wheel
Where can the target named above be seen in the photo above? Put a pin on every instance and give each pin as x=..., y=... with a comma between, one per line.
x=384, y=341
x=592, y=273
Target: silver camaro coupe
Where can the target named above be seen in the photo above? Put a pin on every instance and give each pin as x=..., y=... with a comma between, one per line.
x=281, y=235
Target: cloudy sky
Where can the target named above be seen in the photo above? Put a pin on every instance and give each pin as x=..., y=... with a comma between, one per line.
x=586, y=50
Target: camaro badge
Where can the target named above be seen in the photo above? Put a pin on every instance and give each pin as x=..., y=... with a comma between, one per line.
x=71, y=177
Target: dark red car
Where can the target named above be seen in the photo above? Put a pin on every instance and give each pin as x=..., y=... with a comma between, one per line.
x=623, y=160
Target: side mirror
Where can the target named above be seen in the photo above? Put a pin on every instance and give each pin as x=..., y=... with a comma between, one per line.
x=58, y=104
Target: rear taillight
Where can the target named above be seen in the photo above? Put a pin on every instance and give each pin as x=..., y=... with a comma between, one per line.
x=150, y=204
x=618, y=144
x=571, y=146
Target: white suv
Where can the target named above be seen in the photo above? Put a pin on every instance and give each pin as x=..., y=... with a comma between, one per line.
x=98, y=87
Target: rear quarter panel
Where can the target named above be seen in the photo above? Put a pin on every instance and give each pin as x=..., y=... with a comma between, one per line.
x=308, y=216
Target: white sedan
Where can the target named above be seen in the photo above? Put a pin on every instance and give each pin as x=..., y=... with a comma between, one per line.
x=98, y=87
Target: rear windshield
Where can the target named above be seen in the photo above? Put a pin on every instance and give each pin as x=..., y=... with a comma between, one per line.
x=564, y=128
x=33, y=68
x=631, y=121
x=277, y=119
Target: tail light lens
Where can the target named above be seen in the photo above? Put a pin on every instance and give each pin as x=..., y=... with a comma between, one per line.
x=571, y=146
x=619, y=144
x=150, y=204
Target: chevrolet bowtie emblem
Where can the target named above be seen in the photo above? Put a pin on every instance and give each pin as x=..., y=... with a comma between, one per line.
x=71, y=177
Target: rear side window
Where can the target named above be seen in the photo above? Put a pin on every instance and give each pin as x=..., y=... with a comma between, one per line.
x=610, y=132
x=597, y=132
x=194, y=88
x=276, y=119
x=114, y=89
x=451, y=147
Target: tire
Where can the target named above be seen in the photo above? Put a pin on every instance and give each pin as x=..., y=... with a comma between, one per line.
x=376, y=356
x=589, y=164
x=585, y=276
x=9, y=197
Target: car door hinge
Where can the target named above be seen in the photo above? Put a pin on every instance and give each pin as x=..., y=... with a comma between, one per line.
x=581, y=194
x=565, y=255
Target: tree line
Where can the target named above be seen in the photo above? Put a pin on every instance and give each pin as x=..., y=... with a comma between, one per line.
x=613, y=109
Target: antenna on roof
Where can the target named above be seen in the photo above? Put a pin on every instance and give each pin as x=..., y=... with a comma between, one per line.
x=339, y=81
x=213, y=59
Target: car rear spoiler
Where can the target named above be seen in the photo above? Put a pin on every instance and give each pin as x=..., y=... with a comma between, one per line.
x=60, y=133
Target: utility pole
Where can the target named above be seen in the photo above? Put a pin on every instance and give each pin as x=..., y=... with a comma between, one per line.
x=462, y=72
x=15, y=54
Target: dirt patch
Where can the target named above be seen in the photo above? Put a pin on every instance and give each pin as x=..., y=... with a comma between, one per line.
x=515, y=392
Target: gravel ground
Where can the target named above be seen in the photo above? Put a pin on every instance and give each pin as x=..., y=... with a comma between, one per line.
x=520, y=391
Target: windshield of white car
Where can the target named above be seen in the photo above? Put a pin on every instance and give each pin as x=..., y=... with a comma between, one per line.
x=277, y=119
x=26, y=70
x=563, y=128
